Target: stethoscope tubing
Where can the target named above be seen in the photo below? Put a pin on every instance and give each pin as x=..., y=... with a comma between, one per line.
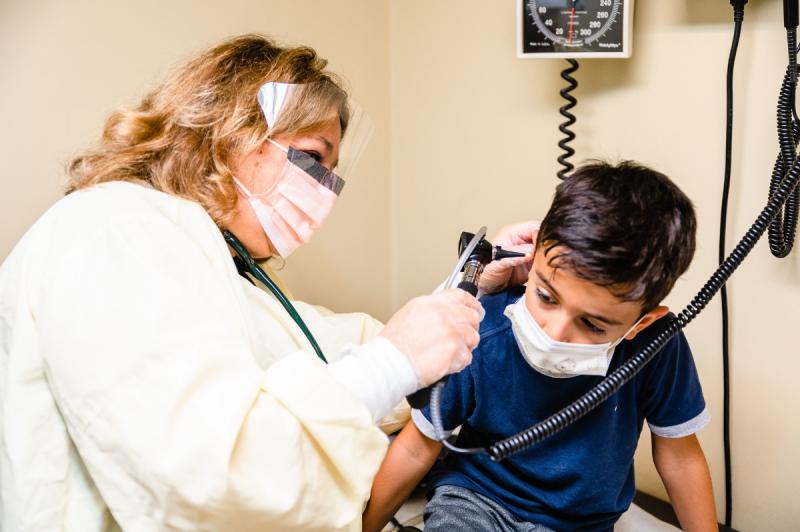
x=256, y=271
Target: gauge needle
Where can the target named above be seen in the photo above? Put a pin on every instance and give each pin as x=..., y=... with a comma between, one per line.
x=571, y=20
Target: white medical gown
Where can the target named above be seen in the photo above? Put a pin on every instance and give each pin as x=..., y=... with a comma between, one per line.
x=145, y=385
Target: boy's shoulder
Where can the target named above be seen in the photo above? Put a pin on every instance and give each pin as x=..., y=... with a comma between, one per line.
x=647, y=336
x=495, y=320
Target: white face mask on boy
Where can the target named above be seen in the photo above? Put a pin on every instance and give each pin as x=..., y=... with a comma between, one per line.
x=553, y=358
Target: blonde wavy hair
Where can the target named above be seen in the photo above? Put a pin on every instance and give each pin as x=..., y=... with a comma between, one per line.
x=186, y=137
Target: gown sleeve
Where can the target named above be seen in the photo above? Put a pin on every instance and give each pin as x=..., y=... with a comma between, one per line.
x=354, y=328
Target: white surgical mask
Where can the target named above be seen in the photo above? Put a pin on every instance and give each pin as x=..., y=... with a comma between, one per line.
x=553, y=358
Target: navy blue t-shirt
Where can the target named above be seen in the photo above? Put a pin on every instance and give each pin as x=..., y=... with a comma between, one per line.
x=582, y=478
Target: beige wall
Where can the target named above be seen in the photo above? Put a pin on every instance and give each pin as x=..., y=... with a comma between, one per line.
x=465, y=136
x=65, y=65
x=474, y=142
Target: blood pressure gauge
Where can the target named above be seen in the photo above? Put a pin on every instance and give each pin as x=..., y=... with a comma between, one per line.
x=574, y=28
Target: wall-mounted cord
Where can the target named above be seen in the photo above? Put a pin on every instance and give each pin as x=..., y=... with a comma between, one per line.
x=564, y=127
x=783, y=228
x=738, y=17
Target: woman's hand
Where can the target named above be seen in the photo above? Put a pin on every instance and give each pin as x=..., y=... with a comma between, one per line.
x=437, y=333
x=497, y=275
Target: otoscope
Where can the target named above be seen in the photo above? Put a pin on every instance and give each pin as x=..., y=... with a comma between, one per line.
x=474, y=253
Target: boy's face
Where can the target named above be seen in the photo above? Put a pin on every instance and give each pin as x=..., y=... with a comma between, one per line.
x=571, y=309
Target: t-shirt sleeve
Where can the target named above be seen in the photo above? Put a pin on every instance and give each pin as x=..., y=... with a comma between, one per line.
x=458, y=401
x=673, y=401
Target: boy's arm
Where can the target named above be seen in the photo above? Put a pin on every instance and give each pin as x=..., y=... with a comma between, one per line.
x=682, y=466
x=410, y=456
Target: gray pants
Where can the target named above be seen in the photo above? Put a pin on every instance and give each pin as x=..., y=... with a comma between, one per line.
x=456, y=508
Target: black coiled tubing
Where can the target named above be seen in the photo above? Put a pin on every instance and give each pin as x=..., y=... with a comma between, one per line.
x=782, y=188
x=569, y=135
x=783, y=227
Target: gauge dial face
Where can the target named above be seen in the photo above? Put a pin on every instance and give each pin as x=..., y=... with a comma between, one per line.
x=573, y=26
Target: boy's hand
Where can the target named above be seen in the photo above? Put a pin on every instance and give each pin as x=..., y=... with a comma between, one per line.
x=520, y=237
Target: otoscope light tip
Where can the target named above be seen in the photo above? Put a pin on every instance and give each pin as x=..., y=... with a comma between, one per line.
x=501, y=253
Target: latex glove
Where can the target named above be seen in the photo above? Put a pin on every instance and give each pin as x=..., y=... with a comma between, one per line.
x=437, y=333
x=498, y=275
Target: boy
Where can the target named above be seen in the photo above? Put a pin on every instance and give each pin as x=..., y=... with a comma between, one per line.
x=608, y=252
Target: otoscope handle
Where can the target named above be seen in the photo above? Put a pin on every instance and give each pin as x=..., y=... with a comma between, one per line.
x=421, y=398
x=469, y=287
x=482, y=254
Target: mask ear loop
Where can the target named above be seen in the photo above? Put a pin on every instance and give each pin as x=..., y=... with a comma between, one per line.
x=243, y=188
x=614, y=345
x=276, y=262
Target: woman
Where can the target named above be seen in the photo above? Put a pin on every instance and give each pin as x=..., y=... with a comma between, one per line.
x=146, y=384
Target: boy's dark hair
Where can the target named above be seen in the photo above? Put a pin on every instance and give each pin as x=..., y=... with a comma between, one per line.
x=622, y=226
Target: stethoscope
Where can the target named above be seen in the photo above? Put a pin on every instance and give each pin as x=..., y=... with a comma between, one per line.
x=256, y=271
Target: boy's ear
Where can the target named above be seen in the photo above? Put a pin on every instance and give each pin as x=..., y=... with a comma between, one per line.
x=649, y=318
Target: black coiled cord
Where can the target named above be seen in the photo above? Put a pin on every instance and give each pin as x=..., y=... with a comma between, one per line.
x=791, y=45
x=783, y=228
x=564, y=110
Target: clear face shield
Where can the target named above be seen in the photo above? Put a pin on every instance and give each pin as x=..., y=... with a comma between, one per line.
x=288, y=105
x=295, y=203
